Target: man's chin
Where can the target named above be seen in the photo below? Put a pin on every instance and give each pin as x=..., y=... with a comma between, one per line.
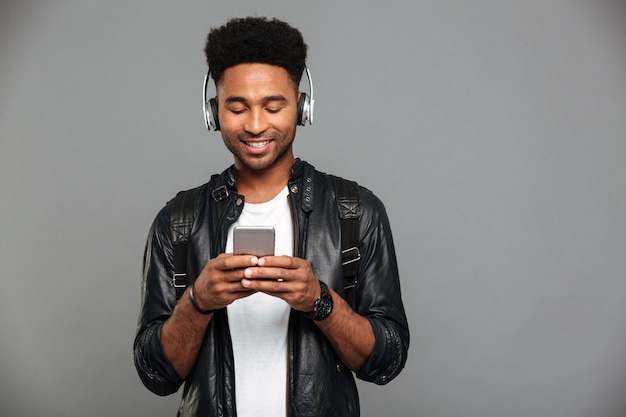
x=255, y=164
x=266, y=162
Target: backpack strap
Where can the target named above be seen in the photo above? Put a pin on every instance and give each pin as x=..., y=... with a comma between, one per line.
x=182, y=215
x=348, y=200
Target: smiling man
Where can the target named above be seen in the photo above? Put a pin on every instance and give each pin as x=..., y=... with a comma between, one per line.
x=268, y=335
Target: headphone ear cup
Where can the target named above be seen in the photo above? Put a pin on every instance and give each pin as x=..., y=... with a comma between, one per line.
x=215, y=122
x=303, y=109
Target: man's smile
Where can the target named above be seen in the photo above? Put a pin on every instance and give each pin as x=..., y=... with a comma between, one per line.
x=257, y=144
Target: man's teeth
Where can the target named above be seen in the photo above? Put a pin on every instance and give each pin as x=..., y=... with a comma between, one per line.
x=258, y=144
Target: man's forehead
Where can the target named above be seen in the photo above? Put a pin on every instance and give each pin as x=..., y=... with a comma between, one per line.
x=257, y=75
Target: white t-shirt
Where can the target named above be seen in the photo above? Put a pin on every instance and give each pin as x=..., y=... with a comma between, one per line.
x=258, y=323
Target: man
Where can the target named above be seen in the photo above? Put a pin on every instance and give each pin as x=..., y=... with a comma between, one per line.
x=272, y=335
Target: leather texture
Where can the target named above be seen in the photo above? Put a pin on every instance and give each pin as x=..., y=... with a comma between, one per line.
x=318, y=383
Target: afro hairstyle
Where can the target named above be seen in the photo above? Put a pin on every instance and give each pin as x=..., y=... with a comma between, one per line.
x=255, y=40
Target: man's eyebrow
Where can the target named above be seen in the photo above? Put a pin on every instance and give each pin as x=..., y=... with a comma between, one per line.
x=277, y=97
x=236, y=99
x=268, y=99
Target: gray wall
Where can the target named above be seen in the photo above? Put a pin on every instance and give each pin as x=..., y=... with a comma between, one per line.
x=494, y=131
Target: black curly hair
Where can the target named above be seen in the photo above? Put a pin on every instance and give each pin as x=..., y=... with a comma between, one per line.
x=255, y=40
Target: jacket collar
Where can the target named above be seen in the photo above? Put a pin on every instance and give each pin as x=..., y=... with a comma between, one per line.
x=225, y=184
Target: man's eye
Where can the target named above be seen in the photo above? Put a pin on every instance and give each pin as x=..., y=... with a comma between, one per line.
x=273, y=109
x=237, y=110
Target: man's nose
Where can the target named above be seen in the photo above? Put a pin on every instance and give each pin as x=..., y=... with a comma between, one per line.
x=256, y=122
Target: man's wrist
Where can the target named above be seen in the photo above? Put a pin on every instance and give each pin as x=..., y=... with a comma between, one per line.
x=323, y=305
x=195, y=305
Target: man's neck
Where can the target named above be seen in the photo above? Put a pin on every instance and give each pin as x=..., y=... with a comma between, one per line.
x=262, y=186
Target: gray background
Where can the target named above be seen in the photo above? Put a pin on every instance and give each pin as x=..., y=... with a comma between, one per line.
x=494, y=131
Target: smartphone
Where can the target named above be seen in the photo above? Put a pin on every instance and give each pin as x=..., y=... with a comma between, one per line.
x=253, y=240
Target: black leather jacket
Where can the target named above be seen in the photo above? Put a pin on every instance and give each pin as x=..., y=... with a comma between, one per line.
x=318, y=383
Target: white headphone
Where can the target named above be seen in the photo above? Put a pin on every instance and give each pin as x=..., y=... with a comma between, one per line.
x=209, y=107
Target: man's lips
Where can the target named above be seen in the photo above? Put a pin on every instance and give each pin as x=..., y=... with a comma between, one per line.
x=257, y=146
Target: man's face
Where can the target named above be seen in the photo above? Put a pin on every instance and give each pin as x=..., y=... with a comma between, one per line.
x=258, y=106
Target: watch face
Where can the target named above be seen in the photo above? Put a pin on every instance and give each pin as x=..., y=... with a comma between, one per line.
x=324, y=305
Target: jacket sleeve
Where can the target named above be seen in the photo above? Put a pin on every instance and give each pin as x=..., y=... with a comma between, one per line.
x=158, y=300
x=378, y=294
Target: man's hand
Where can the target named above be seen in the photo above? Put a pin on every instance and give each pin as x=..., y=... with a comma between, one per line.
x=291, y=279
x=220, y=282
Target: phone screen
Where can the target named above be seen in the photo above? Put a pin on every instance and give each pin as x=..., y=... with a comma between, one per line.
x=253, y=240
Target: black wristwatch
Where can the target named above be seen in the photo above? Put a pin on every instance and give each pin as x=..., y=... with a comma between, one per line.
x=323, y=306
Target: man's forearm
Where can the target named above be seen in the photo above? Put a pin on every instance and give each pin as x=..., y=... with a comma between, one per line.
x=182, y=335
x=349, y=333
